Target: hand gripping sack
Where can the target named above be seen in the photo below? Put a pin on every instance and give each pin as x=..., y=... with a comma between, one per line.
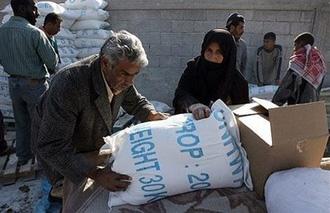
x=178, y=155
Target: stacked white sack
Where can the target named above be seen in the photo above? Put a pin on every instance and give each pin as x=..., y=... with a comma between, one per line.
x=8, y=13
x=65, y=38
x=5, y=101
x=91, y=25
x=178, y=155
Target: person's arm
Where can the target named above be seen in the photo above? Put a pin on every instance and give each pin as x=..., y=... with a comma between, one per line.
x=278, y=64
x=243, y=60
x=285, y=91
x=259, y=67
x=45, y=50
x=135, y=104
x=183, y=97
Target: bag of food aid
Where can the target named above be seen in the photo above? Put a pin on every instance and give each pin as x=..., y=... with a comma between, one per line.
x=177, y=155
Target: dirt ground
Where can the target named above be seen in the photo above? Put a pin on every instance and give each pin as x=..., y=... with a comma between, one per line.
x=21, y=196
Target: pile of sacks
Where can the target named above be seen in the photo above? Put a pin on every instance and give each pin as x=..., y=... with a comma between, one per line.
x=5, y=101
x=177, y=155
x=91, y=26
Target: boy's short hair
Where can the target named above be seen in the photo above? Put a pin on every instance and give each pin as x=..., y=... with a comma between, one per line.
x=234, y=19
x=52, y=18
x=305, y=38
x=270, y=35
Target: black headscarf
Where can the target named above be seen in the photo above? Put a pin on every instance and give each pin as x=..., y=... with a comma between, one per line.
x=218, y=76
x=204, y=81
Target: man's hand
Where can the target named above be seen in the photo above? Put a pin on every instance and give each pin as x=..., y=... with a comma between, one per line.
x=200, y=111
x=154, y=116
x=110, y=180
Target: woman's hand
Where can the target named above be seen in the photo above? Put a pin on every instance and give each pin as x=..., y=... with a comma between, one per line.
x=200, y=111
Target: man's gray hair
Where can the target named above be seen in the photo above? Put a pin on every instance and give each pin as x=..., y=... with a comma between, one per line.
x=123, y=45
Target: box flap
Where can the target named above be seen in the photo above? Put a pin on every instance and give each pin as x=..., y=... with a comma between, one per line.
x=249, y=109
x=260, y=126
x=298, y=122
x=264, y=103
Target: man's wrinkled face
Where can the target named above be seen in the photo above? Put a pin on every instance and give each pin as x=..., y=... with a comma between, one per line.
x=120, y=76
x=237, y=31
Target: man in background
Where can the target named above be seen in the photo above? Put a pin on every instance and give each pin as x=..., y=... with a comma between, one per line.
x=235, y=25
x=26, y=55
x=52, y=26
x=269, y=61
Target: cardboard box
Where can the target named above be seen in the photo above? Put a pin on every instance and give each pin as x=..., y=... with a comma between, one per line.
x=278, y=138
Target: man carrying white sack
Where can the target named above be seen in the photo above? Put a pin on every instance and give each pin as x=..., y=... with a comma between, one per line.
x=80, y=108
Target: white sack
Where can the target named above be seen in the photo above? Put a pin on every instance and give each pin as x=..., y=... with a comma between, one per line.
x=178, y=155
x=84, y=52
x=5, y=18
x=89, y=25
x=62, y=42
x=7, y=9
x=101, y=34
x=88, y=42
x=66, y=23
x=91, y=14
x=298, y=190
x=85, y=4
x=68, y=52
x=65, y=34
x=45, y=7
x=160, y=106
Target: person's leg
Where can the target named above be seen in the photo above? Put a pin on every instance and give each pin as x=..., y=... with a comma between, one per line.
x=3, y=143
x=21, y=115
x=33, y=89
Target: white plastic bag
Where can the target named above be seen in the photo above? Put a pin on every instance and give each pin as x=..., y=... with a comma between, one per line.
x=90, y=25
x=298, y=190
x=178, y=155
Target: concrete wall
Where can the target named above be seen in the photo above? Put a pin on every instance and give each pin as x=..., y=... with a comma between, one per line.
x=172, y=31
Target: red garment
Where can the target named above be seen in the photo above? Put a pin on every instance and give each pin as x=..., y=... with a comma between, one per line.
x=309, y=64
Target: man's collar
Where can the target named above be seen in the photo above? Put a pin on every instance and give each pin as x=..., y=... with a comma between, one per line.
x=19, y=19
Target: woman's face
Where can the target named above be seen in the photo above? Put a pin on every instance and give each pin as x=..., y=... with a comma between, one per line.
x=213, y=53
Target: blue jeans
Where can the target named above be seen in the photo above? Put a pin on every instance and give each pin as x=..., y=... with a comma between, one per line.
x=25, y=94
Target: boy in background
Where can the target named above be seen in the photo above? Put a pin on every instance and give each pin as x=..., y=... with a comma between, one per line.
x=269, y=61
x=303, y=80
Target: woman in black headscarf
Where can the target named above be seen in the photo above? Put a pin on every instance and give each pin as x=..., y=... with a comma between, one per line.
x=211, y=76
